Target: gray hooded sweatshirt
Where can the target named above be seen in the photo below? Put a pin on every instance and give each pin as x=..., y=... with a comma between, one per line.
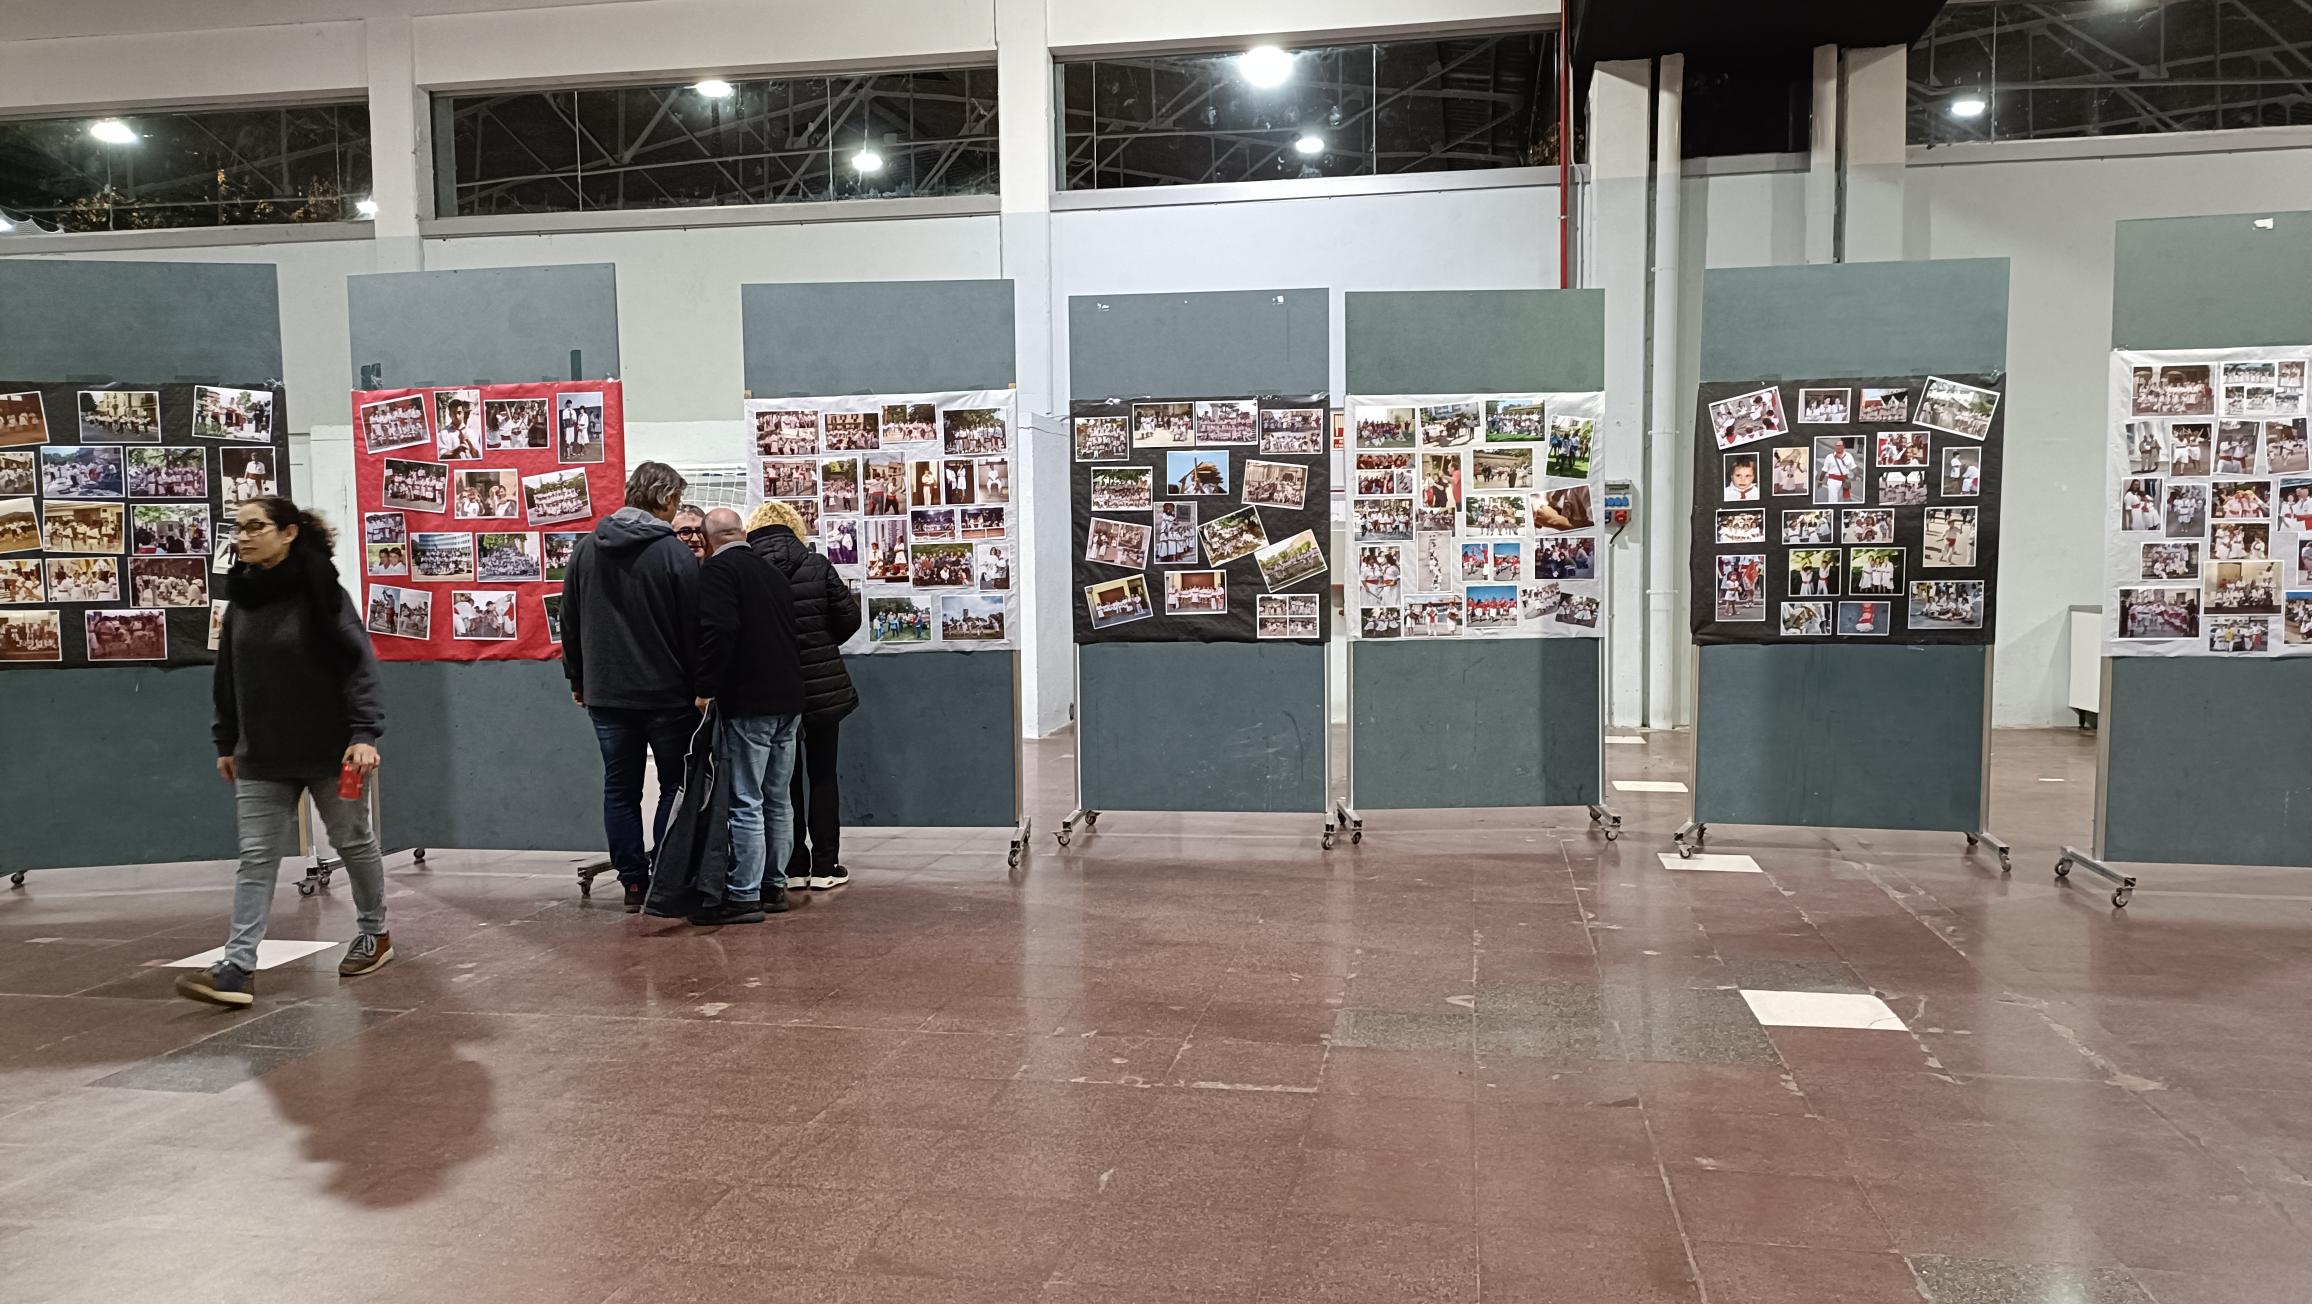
x=630, y=616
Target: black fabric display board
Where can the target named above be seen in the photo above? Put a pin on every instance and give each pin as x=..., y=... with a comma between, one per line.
x=129, y=516
x=1928, y=457
x=1200, y=445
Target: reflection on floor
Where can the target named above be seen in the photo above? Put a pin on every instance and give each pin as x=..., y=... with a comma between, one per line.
x=1478, y=1057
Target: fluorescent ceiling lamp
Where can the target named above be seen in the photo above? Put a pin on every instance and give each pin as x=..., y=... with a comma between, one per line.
x=112, y=131
x=365, y=207
x=867, y=160
x=1968, y=106
x=1264, y=66
x=715, y=88
x=1310, y=144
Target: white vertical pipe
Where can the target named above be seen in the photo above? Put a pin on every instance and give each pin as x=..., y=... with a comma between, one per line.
x=1664, y=639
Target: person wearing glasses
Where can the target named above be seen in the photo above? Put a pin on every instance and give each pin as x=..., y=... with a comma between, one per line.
x=690, y=527
x=297, y=699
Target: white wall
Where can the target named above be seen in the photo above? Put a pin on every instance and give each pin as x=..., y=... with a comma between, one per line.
x=1079, y=25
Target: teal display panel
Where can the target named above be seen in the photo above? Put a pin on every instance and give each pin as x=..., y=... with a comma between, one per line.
x=1846, y=737
x=2207, y=283
x=484, y=325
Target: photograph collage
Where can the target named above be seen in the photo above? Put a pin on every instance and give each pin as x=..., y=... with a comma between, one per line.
x=116, y=516
x=472, y=500
x=1855, y=509
x=2208, y=519
x=1201, y=520
x=909, y=496
x=1474, y=516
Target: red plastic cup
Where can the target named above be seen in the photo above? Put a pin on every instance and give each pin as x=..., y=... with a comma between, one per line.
x=349, y=782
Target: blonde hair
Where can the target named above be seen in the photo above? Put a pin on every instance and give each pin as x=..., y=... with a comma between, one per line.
x=775, y=512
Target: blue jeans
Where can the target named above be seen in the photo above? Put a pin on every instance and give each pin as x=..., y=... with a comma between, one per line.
x=759, y=753
x=628, y=736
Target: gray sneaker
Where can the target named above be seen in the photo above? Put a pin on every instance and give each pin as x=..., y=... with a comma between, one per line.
x=369, y=951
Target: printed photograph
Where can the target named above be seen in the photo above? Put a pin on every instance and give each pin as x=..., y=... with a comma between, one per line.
x=457, y=425
x=2240, y=541
x=1563, y=559
x=1516, y=420
x=1116, y=543
x=1962, y=473
x=1742, y=525
x=580, y=430
x=1496, y=513
x=1163, y=425
x=23, y=421
x=1948, y=537
x=1196, y=593
x=1741, y=588
x=507, y=558
x=1490, y=606
x=122, y=416
x=1382, y=475
x=1380, y=519
x=385, y=558
x=20, y=583
x=167, y=472
x=838, y=541
x=1451, y=425
x=2145, y=454
x=839, y=485
x=1238, y=534
x=1476, y=561
x=1578, y=610
x=31, y=636
x=2182, y=391
x=886, y=549
x=786, y=432
x=1196, y=474
x=551, y=603
x=2296, y=621
x=798, y=477
x=933, y=523
x=1123, y=488
x=1806, y=619
x=1866, y=525
x=2241, y=500
x=1809, y=527
x=907, y=423
x=2191, y=447
x=442, y=557
x=2237, y=447
x=1289, y=561
x=416, y=486
x=168, y=529
x=2250, y=389
x=495, y=493
x=1274, y=484
x=1285, y=615
x=1740, y=476
x=1825, y=407
x=1946, y=604
x=991, y=481
x=2171, y=561
x=2237, y=634
x=1508, y=560
x=247, y=474
x=1496, y=468
x=1903, y=488
x=1960, y=409
x=1884, y=407
x=1175, y=534
x=1377, y=622
x=1103, y=439
x=1902, y=448
x=899, y=620
x=1227, y=421
x=223, y=413
x=858, y=432
x=127, y=635
x=20, y=472
x=1865, y=619
x=982, y=522
x=2284, y=447
x=968, y=618
x=1539, y=601
x=991, y=567
x=1791, y=479
x=2234, y=588
x=2187, y=511
x=74, y=527
x=482, y=614
x=1436, y=564
x=84, y=579
x=1570, y=443
x=1296, y=431
x=1433, y=617
x=2296, y=506
x=82, y=472
x=956, y=487
x=883, y=489
x=1118, y=602
x=975, y=432
x=1380, y=575
x=167, y=581
x=1440, y=481
x=2290, y=392
x=1839, y=476
x=514, y=423
x=1871, y=572
x=1385, y=427
x=939, y=565
x=1747, y=418
x=1560, y=510
x=1814, y=573
x=550, y=496
x=2139, y=504
x=2159, y=612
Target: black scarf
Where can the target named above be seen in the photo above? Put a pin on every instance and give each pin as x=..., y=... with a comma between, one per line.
x=307, y=575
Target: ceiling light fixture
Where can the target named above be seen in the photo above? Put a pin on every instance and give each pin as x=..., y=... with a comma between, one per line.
x=6, y=226
x=365, y=207
x=715, y=88
x=1309, y=145
x=112, y=131
x=867, y=160
x=1969, y=106
x=1264, y=66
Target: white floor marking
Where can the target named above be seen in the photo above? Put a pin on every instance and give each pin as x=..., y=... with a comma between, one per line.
x=269, y=954
x=1857, y=1010
x=1626, y=740
x=1713, y=862
x=1648, y=785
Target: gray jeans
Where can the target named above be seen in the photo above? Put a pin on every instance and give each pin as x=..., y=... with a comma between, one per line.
x=268, y=810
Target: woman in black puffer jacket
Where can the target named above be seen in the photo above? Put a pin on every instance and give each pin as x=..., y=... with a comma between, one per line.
x=826, y=615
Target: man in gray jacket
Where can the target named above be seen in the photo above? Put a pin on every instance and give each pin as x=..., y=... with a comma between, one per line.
x=629, y=622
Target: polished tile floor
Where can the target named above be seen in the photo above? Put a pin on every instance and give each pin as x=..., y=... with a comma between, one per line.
x=1486, y=1057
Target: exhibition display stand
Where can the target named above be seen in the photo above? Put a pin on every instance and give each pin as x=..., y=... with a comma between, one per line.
x=1186, y=726
x=2167, y=723
x=1839, y=735
x=936, y=740
x=1422, y=733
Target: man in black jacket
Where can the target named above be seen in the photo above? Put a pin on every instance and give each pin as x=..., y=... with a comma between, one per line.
x=826, y=616
x=747, y=664
x=629, y=620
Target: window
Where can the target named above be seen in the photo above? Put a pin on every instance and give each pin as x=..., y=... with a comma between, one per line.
x=1333, y=111
x=212, y=167
x=776, y=141
x=2006, y=71
x=1747, y=104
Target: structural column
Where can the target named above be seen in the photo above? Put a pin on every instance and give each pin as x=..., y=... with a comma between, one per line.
x=399, y=163
x=1876, y=116
x=1614, y=259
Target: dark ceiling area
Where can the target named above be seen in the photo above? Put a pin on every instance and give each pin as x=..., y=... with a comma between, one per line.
x=1645, y=29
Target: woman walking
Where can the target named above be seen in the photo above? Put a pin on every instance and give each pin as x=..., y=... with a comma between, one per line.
x=297, y=701
x=826, y=615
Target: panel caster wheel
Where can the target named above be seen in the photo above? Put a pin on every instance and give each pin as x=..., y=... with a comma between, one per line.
x=1062, y=835
x=1328, y=840
x=1685, y=852
x=2120, y=898
x=1702, y=836
x=1091, y=819
x=1973, y=841
x=2006, y=862
x=1014, y=858
x=16, y=879
x=2062, y=869
x=417, y=855
x=306, y=887
x=1357, y=836
x=1613, y=832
